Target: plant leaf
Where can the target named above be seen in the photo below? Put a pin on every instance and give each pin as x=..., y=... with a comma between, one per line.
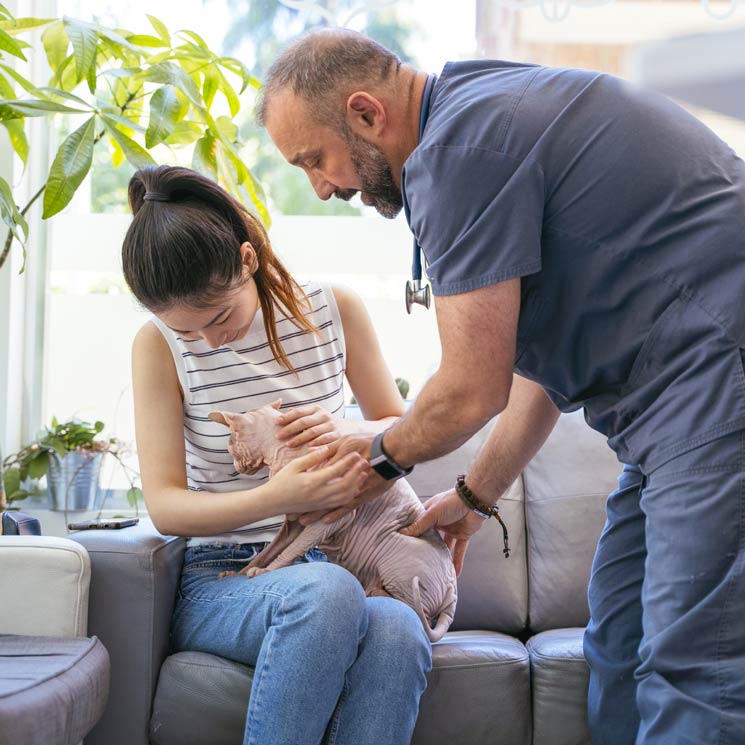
x=11, y=215
x=27, y=85
x=165, y=111
x=184, y=133
x=126, y=124
x=135, y=153
x=204, y=158
x=117, y=154
x=17, y=25
x=53, y=93
x=134, y=495
x=10, y=45
x=146, y=40
x=166, y=73
x=84, y=39
x=237, y=67
x=39, y=465
x=35, y=107
x=18, y=139
x=227, y=127
x=11, y=480
x=229, y=92
x=160, y=29
x=210, y=85
x=70, y=166
x=123, y=72
x=55, y=42
x=195, y=37
x=118, y=43
x=6, y=89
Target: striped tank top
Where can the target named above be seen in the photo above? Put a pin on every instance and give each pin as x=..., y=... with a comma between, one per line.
x=242, y=376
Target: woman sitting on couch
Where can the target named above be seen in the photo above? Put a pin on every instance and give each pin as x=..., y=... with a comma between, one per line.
x=232, y=330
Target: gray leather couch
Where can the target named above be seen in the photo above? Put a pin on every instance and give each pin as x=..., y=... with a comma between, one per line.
x=510, y=672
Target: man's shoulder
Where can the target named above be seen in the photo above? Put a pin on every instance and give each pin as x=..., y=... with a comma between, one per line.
x=499, y=105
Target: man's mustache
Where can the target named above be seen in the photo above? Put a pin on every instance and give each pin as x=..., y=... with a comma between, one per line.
x=345, y=194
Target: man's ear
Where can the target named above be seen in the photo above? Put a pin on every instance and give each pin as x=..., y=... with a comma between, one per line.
x=366, y=114
x=248, y=255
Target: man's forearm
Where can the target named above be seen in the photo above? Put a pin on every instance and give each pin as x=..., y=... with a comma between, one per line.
x=445, y=414
x=517, y=436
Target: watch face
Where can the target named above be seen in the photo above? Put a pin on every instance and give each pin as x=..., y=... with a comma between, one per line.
x=385, y=468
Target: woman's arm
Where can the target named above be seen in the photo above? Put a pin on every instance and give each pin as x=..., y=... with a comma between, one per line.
x=367, y=372
x=368, y=376
x=159, y=425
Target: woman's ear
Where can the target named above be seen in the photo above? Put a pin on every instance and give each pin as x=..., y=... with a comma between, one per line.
x=248, y=255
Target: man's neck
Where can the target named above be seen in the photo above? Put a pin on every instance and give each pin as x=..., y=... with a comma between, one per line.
x=412, y=85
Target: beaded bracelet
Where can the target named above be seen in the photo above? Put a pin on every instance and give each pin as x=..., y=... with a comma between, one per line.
x=480, y=508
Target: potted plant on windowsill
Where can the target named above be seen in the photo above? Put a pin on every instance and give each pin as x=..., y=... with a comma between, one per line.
x=70, y=455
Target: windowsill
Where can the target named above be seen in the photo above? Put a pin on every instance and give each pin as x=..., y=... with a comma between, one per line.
x=54, y=522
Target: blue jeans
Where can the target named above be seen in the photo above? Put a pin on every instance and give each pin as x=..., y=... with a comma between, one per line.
x=330, y=664
x=666, y=639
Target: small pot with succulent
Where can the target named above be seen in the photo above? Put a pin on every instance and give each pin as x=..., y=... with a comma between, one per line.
x=69, y=454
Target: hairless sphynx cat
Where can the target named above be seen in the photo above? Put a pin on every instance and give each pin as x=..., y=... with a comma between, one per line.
x=366, y=541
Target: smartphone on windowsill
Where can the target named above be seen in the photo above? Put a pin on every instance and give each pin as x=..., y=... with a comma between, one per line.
x=104, y=523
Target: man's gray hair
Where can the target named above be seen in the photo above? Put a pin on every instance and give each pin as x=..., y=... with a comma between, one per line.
x=323, y=67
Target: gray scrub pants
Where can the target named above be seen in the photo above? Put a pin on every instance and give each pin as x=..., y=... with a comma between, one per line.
x=666, y=640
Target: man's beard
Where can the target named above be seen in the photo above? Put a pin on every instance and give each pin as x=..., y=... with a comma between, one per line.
x=375, y=175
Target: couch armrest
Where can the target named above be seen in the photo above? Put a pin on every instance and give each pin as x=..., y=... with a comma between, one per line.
x=43, y=586
x=134, y=577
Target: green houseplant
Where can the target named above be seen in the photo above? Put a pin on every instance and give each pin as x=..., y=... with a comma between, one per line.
x=69, y=454
x=140, y=95
x=129, y=92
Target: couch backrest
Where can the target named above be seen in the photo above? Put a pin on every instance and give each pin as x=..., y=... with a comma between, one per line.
x=554, y=512
x=492, y=589
x=566, y=486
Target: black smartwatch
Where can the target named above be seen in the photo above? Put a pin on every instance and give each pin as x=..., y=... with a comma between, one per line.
x=383, y=464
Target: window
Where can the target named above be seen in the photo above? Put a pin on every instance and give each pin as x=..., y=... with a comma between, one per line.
x=90, y=317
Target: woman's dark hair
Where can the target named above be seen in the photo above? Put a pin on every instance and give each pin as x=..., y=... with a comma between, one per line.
x=183, y=247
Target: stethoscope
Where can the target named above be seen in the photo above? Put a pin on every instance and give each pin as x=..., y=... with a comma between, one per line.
x=416, y=292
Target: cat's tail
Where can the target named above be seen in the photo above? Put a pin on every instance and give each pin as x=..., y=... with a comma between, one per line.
x=443, y=620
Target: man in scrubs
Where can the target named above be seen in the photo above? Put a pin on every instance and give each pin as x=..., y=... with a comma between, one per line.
x=585, y=243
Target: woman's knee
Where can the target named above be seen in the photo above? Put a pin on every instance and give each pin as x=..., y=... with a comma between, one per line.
x=330, y=595
x=395, y=630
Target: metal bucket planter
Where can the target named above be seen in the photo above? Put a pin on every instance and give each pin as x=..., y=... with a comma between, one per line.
x=72, y=481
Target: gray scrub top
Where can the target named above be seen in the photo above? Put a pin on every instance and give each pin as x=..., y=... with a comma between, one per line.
x=624, y=217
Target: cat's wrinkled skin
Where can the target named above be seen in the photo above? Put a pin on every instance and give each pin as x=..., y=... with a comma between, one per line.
x=366, y=542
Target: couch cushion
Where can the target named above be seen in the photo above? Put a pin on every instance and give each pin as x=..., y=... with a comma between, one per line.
x=478, y=693
x=492, y=590
x=559, y=677
x=52, y=689
x=566, y=486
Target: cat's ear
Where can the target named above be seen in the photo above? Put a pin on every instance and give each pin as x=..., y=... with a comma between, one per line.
x=221, y=417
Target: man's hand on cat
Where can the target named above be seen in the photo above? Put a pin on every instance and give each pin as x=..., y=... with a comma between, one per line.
x=456, y=523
